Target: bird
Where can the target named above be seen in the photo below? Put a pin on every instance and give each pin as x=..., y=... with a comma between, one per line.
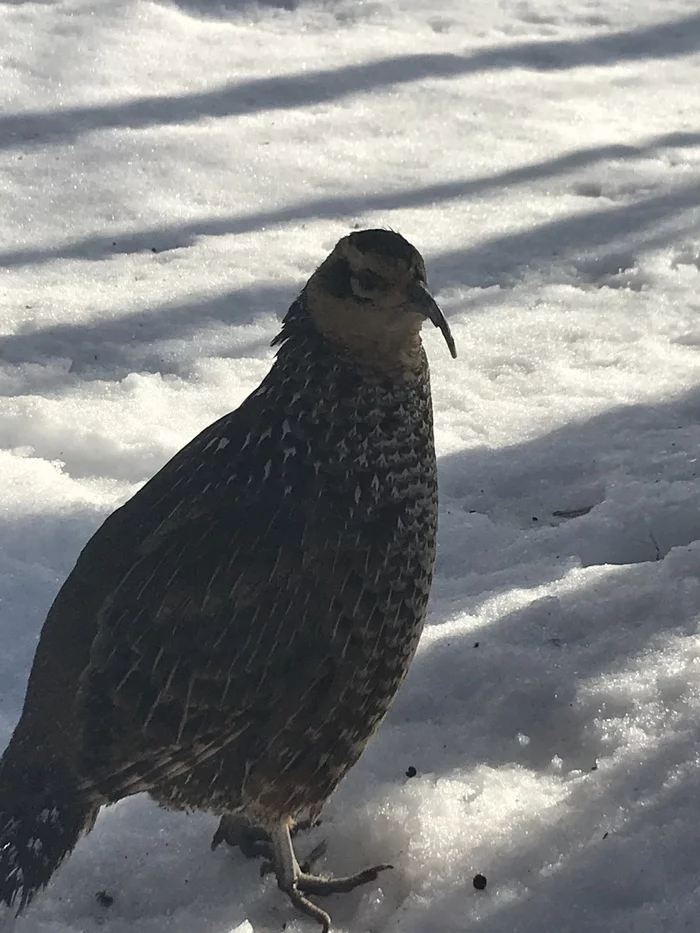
x=232, y=636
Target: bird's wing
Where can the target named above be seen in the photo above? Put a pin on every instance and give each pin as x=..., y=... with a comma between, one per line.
x=218, y=612
x=76, y=617
x=184, y=640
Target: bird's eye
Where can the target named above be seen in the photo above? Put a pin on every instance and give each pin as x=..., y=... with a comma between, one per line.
x=366, y=282
x=370, y=280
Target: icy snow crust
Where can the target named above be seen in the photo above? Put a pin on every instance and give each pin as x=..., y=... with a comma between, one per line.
x=170, y=174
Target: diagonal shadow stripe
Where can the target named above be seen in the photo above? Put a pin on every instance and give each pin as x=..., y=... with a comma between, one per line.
x=501, y=260
x=137, y=341
x=178, y=236
x=658, y=41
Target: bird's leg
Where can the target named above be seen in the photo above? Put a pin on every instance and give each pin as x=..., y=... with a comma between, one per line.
x=306, y=866
x=288, y=873
x=297, y=883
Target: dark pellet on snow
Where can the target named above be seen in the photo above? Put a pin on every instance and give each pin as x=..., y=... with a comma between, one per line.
x=479, y=882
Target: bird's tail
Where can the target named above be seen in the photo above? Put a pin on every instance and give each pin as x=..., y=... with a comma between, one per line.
x=42, y=816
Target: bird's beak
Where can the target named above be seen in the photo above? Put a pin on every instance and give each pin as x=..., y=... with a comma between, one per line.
x=424, y=303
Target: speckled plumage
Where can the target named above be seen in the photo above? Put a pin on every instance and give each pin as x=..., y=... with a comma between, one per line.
x=230, y=638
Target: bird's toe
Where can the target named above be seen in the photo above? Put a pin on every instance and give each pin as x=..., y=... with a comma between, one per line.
x=317, y=884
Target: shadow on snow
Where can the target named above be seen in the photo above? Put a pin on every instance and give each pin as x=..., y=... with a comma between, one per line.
x=658, y=41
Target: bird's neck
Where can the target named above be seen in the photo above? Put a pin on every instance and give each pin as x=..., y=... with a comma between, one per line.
x=363, y=341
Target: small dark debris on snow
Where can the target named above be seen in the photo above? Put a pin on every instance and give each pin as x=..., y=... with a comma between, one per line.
x=479, y=882
x=411, y=771
x=535, y=518
x=605, y=835
x=104, y=899
x=594, y=766
x=476, y=644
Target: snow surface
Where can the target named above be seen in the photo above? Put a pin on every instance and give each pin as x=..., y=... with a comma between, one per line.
x=171, y=172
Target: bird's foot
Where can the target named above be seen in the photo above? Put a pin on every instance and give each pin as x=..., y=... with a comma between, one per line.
x=236, y=830
x=296, y=881
x=255, y=842
x=316, y=884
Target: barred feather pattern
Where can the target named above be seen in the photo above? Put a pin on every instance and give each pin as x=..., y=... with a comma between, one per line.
x=250, y=613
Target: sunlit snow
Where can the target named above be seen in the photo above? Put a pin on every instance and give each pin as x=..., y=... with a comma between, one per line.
x=170, y=174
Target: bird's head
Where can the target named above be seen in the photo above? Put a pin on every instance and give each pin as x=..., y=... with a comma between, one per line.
x=370, y=296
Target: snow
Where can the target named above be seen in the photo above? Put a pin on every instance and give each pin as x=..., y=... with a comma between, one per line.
x=170, y=174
